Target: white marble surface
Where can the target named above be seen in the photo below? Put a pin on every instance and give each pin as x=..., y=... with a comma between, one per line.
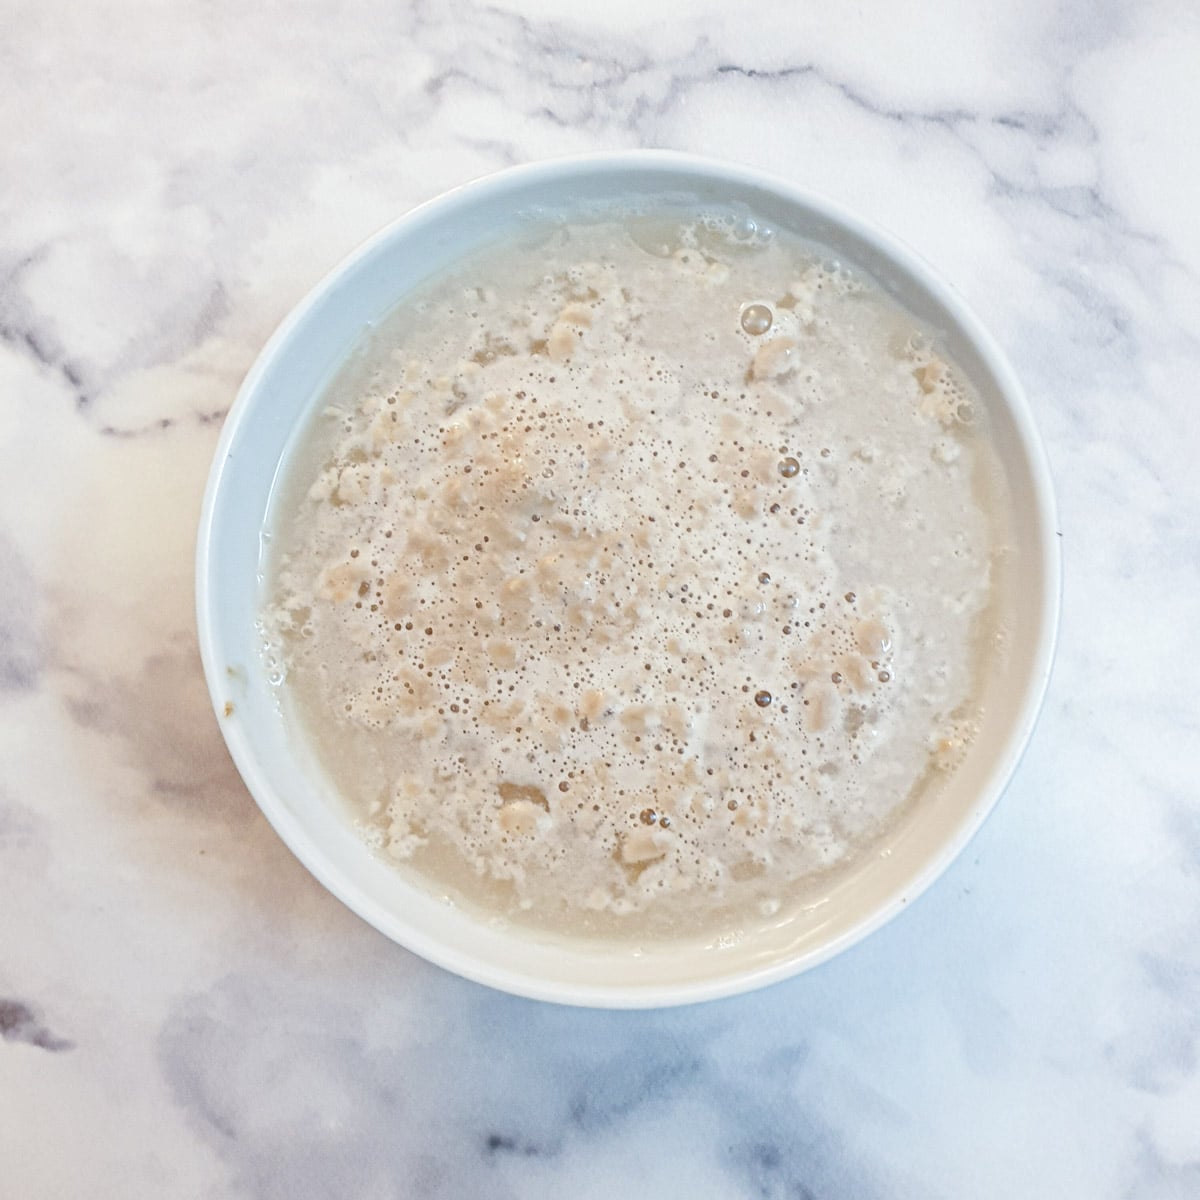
x=183, y=1011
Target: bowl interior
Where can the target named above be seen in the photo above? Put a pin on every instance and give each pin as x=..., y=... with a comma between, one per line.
x=287, y=382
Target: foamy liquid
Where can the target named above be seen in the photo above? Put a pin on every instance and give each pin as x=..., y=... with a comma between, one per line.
x=628, y=586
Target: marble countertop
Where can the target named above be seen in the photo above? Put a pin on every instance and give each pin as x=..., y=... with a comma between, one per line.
x=183, y=1010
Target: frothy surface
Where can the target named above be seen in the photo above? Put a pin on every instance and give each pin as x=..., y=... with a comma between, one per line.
x=633, y=581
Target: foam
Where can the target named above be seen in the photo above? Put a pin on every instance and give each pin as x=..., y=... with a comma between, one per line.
x=598, y=598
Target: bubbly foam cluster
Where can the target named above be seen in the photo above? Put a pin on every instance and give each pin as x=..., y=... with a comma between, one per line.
x=643, y=582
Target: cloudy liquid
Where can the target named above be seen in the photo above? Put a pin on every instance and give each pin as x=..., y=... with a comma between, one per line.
x=632, y=584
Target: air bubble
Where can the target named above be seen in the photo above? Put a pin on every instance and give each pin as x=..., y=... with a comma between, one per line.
x=744, y=228
x=756, y=319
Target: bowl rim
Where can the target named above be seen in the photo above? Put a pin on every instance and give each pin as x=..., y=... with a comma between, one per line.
x=1047, y=551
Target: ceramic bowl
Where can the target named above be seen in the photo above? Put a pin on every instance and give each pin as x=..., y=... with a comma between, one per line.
x=281, y=390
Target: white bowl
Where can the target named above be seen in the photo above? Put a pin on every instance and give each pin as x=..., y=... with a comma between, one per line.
x=282, y=388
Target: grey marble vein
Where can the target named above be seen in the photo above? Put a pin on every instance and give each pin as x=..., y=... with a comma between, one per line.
x=19, y=1023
